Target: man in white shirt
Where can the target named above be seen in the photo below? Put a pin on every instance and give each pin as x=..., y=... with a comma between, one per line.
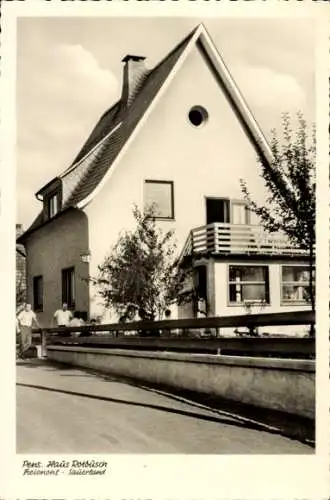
x=76, y=321
x=62, y=317
x=26, y=319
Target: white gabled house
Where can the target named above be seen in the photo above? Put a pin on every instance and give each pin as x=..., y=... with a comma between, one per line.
x=181, y=136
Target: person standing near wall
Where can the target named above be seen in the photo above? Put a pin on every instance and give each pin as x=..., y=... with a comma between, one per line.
x=25, y=320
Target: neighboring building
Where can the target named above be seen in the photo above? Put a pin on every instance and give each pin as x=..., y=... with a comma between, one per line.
x=180, y=136
x=20, y=269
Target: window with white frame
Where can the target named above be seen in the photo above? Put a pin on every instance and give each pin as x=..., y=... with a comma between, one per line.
x=160, y=195
x=240, y=213
x=53, y=205
x=248, y=284
x=295, y=283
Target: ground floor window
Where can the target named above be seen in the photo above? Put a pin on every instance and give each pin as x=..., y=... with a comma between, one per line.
x=68, y=287
x=294, y=284
x=38, y=293
x=248, y=284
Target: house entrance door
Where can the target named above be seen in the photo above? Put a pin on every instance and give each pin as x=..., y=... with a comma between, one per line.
x=201, y=289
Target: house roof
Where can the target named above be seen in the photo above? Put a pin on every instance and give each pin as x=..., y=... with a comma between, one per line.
x=108, y=120
x=128, y=118
x=116, y=126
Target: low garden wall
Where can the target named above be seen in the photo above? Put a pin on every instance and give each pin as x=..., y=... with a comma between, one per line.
x=279, y=384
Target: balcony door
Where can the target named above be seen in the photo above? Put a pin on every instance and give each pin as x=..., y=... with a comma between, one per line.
x=224, y=210
x=217, y=210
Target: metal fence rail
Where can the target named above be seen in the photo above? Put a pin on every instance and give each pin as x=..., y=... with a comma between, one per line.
x=244, y=320
x=191, y=335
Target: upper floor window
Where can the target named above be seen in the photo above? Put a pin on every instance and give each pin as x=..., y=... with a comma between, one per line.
x=248, y=284
x=160, y=195
x=295, y=283
x=53, y=205
x=38, y=293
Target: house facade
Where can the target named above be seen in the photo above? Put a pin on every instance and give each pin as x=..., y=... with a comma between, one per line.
x=182, y=137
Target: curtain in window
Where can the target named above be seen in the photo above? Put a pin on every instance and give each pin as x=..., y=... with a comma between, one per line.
x=248, y=284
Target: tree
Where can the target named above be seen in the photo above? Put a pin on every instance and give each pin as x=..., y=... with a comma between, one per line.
x=290, y=181
x=141, y=273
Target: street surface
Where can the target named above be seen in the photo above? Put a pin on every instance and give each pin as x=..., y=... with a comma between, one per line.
x=65, y=410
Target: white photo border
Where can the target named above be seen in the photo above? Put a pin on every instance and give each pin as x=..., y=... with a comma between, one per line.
x=165, y=476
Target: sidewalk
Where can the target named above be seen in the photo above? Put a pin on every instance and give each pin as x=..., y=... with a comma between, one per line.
x=78, y=412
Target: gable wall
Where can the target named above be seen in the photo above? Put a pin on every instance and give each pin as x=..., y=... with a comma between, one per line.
x=205, y=161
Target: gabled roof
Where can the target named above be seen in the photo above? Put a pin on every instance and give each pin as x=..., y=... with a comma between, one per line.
x=128, y=119
x=108, y=120
x=117, y=126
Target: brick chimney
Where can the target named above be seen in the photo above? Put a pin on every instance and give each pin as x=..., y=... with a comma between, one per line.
x=134, y=73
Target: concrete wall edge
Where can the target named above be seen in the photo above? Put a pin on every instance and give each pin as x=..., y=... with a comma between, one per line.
x=253, y=362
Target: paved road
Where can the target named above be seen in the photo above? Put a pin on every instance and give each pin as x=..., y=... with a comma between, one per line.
x=70, y=411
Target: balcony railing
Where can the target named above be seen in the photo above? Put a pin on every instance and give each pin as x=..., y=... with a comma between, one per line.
x=229, y=239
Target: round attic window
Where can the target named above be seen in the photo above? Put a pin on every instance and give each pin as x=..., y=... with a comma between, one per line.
x=198, y=115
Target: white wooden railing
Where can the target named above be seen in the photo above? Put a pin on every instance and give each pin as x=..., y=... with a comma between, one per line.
x=224, y=238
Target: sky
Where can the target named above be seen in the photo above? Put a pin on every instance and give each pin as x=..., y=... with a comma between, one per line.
x=69, y=72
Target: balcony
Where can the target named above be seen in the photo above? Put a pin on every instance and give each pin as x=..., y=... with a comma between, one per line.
x=234, y=239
